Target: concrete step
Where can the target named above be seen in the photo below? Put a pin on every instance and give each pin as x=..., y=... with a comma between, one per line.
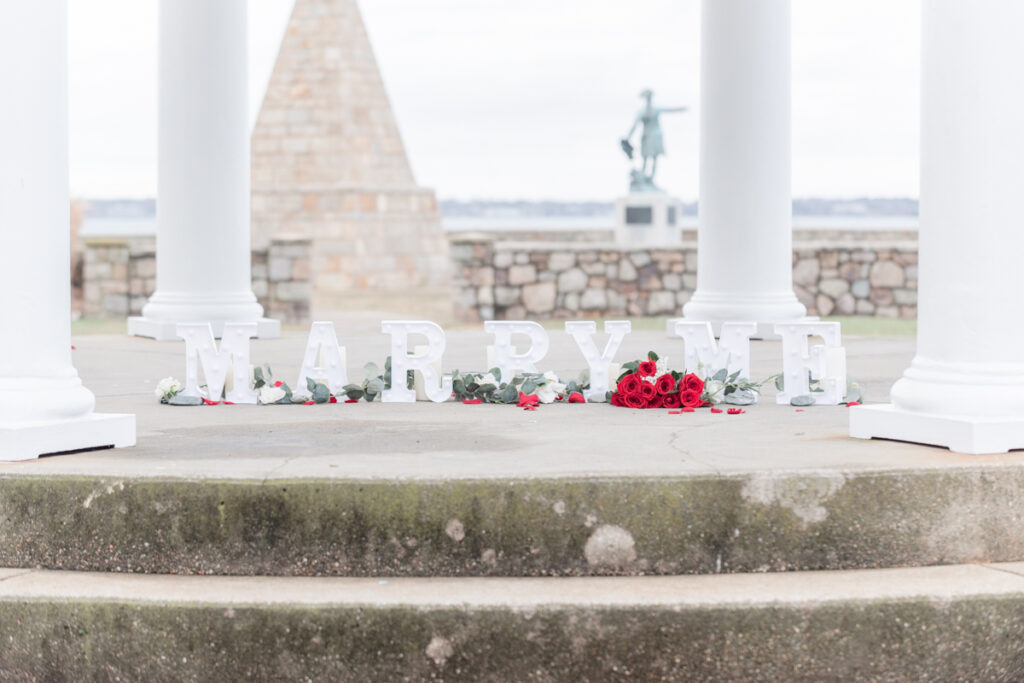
x=935, y=623
x=514, y=525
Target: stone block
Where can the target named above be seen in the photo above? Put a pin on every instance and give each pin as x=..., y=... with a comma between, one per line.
x=806, y=272
x=561, y=260
x=834, y=288
x=522, y=258
x=828, y=258
x=886, y=274
x=522, y=274
x=864, y=256
x=485, y=296
x=640, y=258
x=851, y=271
x=280, y=269
x=502, y=258
x=595, y=268
x=574, y=280
x=887, y=312
x=824, y=305
x=861, y=289
x=846, y=304
x=539, y=298
x=572, y=301
x=627, y=271
x=300, y=269
x=661, y=303
x=905, y=297
x=865, y=307
x=672, y=281
x=506, y=296
x=881, y=297
x=594, y=300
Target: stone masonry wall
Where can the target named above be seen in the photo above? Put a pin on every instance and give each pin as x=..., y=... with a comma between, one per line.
x=503, y=280
x=120, y=276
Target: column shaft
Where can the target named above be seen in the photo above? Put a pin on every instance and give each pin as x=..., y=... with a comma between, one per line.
x=744, y=253
x=203, y=218
x=965, y=387
x=37, y=379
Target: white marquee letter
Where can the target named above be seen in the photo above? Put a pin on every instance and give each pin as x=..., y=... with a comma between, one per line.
x=322, y=347
x=201, y=348
x=438, y=389
x=731, y=353
x=825, y=363
x=582, y=332
x=505, y=357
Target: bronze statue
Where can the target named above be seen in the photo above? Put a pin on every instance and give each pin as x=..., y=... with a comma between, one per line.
x=651, y=144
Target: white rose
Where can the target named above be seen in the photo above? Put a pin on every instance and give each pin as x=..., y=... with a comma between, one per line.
x=713, y=388
x=662, y=365
x=270, y=394
x=168, y=387
x=549, y=392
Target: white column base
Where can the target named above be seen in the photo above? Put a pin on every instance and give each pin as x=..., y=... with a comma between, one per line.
x=960, y=434
x=166, y=330
x=33, y=439
x=765, y=328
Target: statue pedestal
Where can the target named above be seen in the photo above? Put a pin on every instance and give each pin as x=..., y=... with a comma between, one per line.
x=648, y=218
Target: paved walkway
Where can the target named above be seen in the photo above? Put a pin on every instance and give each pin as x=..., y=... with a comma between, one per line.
x=455, y=441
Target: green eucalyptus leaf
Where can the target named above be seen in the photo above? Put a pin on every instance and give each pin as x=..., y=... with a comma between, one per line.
x=375, y=385
x=181, y=400
x=310, y=384
x=801, y=401
x=721, y=375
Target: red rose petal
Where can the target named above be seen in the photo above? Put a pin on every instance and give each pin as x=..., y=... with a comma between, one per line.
x=799, y=410
x=309, y=403
x=716, y=410
x=675, y=412
x=852, y=404
x=352, y=400
x=688, y=409
x=334, y=399
x=576, y=397
x=228, y=403
x=210, y=403
x=472, y=401
x=735, y=411
x=278, y=383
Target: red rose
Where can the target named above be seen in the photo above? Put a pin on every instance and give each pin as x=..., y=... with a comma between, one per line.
x=648, y=391
x=630, y=385
x=576, y=397
x=693, y=383
x=672, y=400
x=528, y=400
x=690, y=398
x=666, y=384
x=647, y=368
x=617, y=399
x=635, y=402
x=657, y=402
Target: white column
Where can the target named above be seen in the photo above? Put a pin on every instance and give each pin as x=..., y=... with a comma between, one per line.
x=203, y=221
x=965, y=387
x=744, y=239
x=43, y=406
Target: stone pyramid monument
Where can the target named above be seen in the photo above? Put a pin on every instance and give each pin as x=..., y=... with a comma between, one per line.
x=328, y=163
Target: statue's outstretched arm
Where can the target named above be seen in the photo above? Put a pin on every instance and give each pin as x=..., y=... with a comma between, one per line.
x=666, y=110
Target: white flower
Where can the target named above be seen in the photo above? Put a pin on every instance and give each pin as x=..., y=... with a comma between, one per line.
x=550, y=390
x=713, y=388
x=168, y=387
x=270, y=394
x=662, y=365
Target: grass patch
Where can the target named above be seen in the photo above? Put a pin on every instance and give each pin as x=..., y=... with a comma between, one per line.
x=99, y=326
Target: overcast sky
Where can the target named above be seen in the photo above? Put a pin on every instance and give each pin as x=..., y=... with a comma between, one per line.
x=527, y=98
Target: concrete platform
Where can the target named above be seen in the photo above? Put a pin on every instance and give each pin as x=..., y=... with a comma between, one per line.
x=934, y=623
x=382, y=490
